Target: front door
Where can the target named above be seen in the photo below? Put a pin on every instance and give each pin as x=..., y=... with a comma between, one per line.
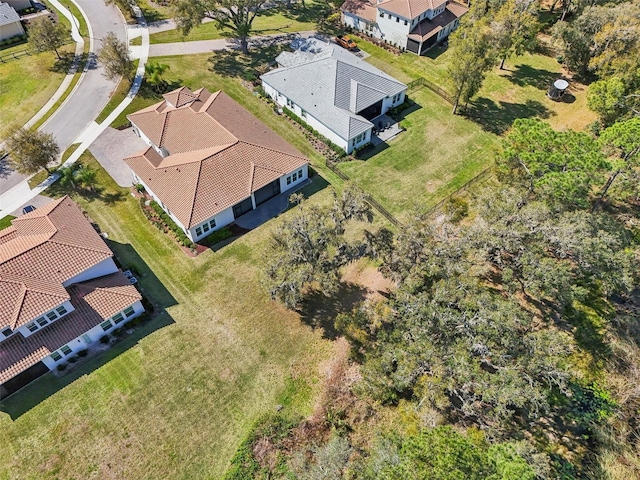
x=242, y=207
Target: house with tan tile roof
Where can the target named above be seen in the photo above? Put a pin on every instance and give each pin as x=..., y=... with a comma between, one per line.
x=411, y=25
x=209, y=160
x=60, y=291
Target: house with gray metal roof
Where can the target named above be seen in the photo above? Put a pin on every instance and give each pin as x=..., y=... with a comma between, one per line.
x=10, y=25
x=338, y=94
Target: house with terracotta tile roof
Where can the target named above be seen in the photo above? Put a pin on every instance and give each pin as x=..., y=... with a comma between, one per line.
x=60, y=291
x=411, y=25
x=338, y=94
x=209, y=160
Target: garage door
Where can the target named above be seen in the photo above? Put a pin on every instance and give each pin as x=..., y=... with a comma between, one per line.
x=242, y=207
x=267, y=192
x=22, y=379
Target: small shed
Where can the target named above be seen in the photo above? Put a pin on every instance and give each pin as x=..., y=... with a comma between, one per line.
x=557, y=90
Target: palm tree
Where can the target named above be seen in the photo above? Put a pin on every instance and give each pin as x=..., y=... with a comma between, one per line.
x=87, y=177
x=153, y=75
x=68, y=175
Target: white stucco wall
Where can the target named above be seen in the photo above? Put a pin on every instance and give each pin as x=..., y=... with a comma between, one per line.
x=283, y=179
x=24, y=331
x=313, y=122
x=94, y=334
x=222, y=219
x=11, y=30
x=354, y=22
x=105, y=267
x=393, y=31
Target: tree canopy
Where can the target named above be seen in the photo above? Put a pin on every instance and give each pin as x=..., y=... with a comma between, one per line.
x=31, y=150
x=115, y=57
x=46, y=36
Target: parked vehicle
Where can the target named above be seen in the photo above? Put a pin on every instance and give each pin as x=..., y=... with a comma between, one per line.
x=346, y=42
x=28, y=209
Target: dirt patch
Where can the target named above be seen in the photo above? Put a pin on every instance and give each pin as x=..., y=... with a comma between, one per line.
x=370, y=279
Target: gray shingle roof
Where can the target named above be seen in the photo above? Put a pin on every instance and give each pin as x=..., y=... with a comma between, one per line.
x=8, y=14
x=333, y=88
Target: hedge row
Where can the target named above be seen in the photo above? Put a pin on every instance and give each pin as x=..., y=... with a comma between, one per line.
x=338, y=151
x=14, y=39
x=164, y=222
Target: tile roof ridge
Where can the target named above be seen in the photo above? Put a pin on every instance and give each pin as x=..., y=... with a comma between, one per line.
x=83, y=247
x=13, y=320
x=90, y=285
x=164, y=125
x=209, y=101
x=192, y=201
x=271, y=149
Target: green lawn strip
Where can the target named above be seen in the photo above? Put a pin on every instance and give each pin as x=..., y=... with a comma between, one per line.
x=118, y=95
x=276, y=22
x=437, y=154
x=84, y=31
x=42, y=175
x=221, y=356
x=155, y=12
x=6, y=221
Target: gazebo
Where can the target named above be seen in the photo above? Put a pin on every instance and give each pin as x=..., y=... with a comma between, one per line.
x=556, y=91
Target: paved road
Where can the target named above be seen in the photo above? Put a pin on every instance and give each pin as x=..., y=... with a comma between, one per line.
x=95, y=89
x=206, y=46
x=91, y=94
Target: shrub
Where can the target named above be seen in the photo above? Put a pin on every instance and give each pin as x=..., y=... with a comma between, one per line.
x=148, y=306
x=457, y=208
x=83, y=353
x=61, y=367
x=104, y=339
x=73, y=359
x=140, y=188
x=218, y=236
x=171, y=225
x=116, y=332
x=338, y=150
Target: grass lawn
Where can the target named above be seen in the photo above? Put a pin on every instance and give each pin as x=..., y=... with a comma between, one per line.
x=516, y=92
x=293, y=19
x=437, y=154
x=175, y=399
x=6, y=221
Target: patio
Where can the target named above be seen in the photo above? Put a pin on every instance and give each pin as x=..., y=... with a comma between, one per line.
x=268, y=210
x=385, y=129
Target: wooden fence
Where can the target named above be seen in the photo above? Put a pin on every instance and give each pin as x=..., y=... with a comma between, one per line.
x=423, y=82
x=15, y=55
x=483, y=175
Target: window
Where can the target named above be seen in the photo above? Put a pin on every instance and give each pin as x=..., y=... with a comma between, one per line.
x=6, y=332
x=303, y=114
x=205, y=227
x=389, y=16
x=66, y=350
x=397, y=19
x=117, y=318
x=61, y=310
x=406, y=23
x=289, y=180
x=212, y=223
x=106, y=325
x=56, y=356
x=295, y=176
x=42, y=321
x=52, y=316
x=198, y=231
x=87, y=339
x=32, y=327
x=290, y=103
x=381, y=14
x=299, y=173
x=129, y=311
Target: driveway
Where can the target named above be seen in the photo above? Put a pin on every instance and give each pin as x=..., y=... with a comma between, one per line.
x=37, y=201
x=111, y=147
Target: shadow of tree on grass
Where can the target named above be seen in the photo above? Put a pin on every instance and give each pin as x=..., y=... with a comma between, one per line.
x=232, y=63
x=319, y=310
x=497, y=117
x=526, y=76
